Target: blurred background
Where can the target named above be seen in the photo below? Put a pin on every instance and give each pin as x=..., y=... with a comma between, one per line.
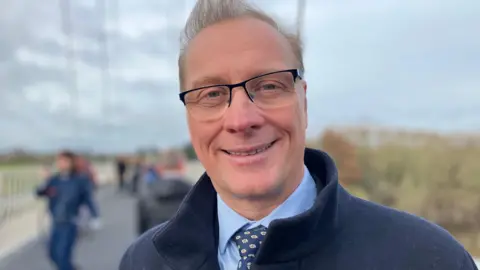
x=393, y=92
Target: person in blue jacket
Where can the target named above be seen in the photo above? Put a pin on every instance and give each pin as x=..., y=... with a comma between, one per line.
x=66, y=192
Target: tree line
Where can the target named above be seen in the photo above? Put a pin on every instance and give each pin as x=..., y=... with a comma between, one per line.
x=431, y=175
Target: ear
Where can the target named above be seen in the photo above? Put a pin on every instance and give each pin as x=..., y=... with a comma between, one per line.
x=304, y=89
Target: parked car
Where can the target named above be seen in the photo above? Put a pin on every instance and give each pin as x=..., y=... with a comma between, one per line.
x=161, y=191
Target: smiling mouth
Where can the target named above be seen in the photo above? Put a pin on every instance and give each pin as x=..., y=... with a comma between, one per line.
x=250, y=152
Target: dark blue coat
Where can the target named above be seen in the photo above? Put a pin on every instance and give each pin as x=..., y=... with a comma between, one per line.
x=66, y=194
x=340, y=232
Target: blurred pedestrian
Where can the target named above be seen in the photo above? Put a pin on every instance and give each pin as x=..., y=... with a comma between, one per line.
x=83, y=165
x=66, y=191
x=121, y=170
x=85, y=221
x=138, y=170
x=152, y=173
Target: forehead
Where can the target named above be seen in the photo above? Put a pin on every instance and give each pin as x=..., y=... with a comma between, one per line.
x=236, y=50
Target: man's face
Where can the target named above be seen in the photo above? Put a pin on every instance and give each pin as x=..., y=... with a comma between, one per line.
x=231, y=52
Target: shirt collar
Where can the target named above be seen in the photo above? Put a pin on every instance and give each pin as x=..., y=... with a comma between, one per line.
x=298, y=202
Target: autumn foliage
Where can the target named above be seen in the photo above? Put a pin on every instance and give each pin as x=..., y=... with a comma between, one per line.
x=344, y=154
x=427, y=174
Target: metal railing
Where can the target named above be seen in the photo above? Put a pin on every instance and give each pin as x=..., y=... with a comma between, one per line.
x=17, y=187
x=16, y=191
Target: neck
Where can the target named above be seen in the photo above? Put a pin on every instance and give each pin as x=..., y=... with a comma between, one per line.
x=259, y=207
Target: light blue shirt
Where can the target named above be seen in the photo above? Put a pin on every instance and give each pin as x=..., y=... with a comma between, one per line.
x=230, y=221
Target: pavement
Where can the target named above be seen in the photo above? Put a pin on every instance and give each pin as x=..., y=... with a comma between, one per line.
x=100, y=250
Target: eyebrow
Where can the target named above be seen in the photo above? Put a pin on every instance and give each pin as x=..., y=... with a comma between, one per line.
x=208, y=80
x=216, y=80
x=264, y=71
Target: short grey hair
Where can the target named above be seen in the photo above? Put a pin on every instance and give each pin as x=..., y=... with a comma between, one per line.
x=210, y=12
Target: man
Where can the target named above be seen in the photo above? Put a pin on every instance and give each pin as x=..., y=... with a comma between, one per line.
x=121, y=169
x=66, y=191
x=265, y=201
x=83, y=166
x=138, y=169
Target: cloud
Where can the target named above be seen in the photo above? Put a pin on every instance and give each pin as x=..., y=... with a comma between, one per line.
x=408, y=63
x=403, y=63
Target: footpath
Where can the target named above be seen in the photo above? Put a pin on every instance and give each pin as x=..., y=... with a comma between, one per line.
x=22, y=228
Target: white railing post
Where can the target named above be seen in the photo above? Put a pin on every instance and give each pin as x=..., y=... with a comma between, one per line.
x=2, y=188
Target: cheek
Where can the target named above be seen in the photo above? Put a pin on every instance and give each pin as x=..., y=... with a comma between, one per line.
x=291, y=119
x=201, y=135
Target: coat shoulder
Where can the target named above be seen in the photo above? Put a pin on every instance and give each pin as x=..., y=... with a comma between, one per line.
x=415, y=238
x=142, y=254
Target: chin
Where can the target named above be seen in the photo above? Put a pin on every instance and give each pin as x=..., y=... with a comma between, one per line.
x=255, y=184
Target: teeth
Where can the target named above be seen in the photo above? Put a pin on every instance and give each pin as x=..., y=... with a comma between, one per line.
x=253, y=152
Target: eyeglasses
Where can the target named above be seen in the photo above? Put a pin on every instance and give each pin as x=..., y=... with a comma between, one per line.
x=271, y=90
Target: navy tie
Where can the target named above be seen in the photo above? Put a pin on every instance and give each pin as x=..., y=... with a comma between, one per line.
x=248, y=242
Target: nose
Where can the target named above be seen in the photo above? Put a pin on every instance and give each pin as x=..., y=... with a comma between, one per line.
x=242, y=115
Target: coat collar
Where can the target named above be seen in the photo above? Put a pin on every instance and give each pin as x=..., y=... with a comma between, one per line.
x=190, y=239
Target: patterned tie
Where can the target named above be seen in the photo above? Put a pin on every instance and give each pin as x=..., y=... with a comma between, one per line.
x=248, y=242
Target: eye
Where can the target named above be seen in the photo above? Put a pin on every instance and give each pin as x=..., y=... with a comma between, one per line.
x=269, y=86
x=210, y=96
x=213, y=93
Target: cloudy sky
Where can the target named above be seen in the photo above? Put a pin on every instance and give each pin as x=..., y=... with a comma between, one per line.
x=404, y=63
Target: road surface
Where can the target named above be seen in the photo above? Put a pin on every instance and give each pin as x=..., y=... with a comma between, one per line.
x=100, y=251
